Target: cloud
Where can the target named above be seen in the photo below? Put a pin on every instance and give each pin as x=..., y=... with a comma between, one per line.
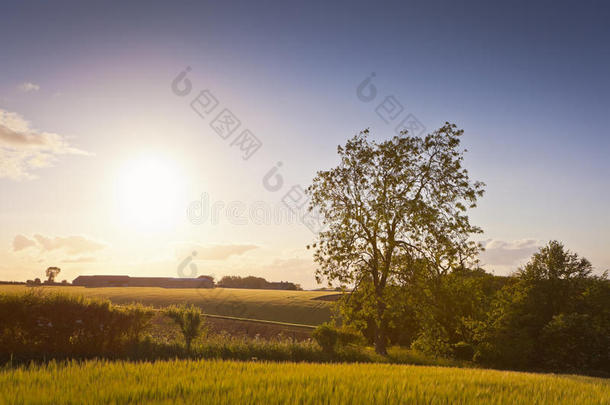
x=72, y=245
x=213, y=252
x=23, y=149
x=21, y=242
x=27, y=87
x=506, y=253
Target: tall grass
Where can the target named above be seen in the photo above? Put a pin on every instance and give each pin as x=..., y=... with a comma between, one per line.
x=242, y=348
x=230, y=382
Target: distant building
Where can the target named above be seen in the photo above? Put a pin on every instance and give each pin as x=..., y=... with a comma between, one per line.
x=126, y=281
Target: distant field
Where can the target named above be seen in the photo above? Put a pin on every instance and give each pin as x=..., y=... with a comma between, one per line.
x=297, y=307
x=227, y=382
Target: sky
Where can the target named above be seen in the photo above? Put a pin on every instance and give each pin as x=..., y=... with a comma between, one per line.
x=110, y=163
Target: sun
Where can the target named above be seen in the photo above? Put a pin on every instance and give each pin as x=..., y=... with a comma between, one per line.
x=150, y=193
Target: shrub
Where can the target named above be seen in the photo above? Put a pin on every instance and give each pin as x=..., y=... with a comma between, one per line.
x=576, y=342
x=433, y=341
x=326, y=336
x=349, y=336
x=35, y=324
x=463, y=351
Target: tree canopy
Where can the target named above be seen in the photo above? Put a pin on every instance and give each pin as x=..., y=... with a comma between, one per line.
x=392, y=205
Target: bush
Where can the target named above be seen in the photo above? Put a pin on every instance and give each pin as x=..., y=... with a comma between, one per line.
x=36, y=324
x=326, y=336
x=348, y=336
x=576, y=342
x=463, y=351
x=433, y=341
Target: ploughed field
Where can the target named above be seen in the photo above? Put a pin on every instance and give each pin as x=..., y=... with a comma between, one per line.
x=230, y=382
x=293, y=307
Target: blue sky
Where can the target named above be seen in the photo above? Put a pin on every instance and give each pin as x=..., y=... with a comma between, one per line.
x=528, y=83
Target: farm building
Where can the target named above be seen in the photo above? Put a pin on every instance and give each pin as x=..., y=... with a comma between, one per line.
x=126, y=281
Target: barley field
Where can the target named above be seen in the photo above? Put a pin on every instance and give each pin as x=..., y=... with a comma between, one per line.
x=295, y=307
x=229, y=382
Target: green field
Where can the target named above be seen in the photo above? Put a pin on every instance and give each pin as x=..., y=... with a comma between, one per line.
x=297, y=307
x=228, y=382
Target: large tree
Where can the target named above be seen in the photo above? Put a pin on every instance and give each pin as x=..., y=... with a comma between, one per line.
x=391, y=205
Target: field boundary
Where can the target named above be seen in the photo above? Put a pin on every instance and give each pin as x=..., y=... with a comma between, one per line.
x=233, y=318
x=260, y=321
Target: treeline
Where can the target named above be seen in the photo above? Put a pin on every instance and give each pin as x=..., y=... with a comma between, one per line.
x=552, y=315
x=256, y=283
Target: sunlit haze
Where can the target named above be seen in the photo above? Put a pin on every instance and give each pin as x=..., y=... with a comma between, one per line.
x=114, y=158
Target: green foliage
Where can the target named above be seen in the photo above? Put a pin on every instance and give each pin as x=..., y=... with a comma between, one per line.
x=388, y=207
x=256, y=283
x=463, y=351
x=555, y=316
x=348, y=336
x=331, y=338
x=36, y=324
x=326, y=336
x=189, y=319
x=432, y=340
x=431, y=313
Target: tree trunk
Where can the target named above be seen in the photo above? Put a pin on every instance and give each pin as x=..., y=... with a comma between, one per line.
x=380, y=341
x=380, y=329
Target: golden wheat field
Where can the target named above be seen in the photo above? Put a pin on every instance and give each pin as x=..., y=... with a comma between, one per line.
x=229, y=382
x=296, y=307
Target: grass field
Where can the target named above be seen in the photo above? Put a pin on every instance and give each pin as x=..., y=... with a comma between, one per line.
x=227, y=382
x=295, y=307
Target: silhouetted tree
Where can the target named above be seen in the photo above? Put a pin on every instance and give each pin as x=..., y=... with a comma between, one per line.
x=52, y=272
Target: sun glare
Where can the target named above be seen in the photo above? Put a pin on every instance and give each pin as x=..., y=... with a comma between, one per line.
x=149, y=193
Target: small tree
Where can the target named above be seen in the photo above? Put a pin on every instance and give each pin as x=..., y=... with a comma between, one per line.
x=189, y=319
x=52, y=272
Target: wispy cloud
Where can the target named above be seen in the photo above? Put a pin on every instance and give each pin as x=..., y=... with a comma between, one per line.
x=22, y=242
x=23, y=149
x=27, y=87
x=507, y=253
x=72, y=245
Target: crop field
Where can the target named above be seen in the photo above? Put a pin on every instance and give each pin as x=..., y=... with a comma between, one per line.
x=223, y=382
x=294, y=307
